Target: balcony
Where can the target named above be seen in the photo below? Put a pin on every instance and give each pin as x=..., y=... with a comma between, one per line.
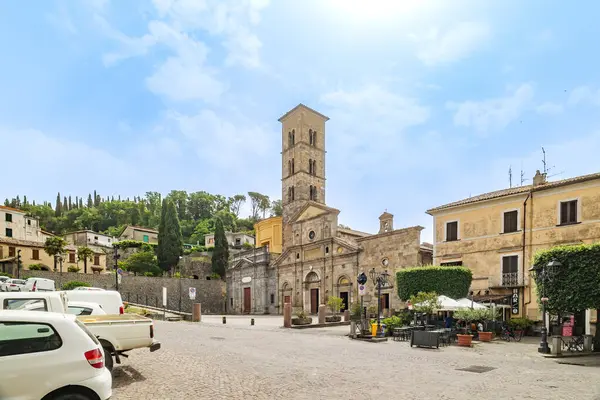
x=507, y=280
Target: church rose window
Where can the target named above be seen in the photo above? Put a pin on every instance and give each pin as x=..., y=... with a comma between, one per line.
x=311, y=235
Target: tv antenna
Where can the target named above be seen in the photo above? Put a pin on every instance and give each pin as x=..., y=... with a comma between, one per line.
x=546, y=168
x=523, y=179
x=510, y=175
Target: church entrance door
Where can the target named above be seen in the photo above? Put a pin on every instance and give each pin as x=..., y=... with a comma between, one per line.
x=314, y=301
x=345, y=298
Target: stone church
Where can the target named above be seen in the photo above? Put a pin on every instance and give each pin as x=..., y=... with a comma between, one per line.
x=318, y=257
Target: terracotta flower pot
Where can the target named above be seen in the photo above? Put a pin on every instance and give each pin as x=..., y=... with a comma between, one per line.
x=465, y=340
x=485, y=336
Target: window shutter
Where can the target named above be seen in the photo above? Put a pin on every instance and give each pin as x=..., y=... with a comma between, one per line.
x=563, y=212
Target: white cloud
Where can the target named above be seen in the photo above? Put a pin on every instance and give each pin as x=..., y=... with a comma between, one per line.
x=493, y=114
x=549, y=108
x=584, y=95
x=129, y=46
x=454, y=44
x=231, y=19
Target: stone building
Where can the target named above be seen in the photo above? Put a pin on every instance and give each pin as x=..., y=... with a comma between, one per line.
x=497, y=234
x=319, y=259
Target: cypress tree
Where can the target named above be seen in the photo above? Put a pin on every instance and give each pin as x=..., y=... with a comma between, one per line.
x=24, y=200
x=220, y=255
x=170, y=240
x=65, y=204
x=80, y=203
x=58, y=208
x=90, y=202
x=70, y=203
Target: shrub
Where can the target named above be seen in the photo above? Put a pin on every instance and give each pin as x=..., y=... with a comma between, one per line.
x=247, y=246
x=394, y=322
x=474, y=315
x=38, y=267
x=126, y=244
x=453, y=282
x=335, y=304
x=301, y=314
x=214, y=276
x=355, y=311
x=73, y=269
x=5, y=274
x=427, y=303
x=520, y=323
x=73, y=284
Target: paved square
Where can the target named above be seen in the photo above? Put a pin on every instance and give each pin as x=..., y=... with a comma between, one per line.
x=237, y=361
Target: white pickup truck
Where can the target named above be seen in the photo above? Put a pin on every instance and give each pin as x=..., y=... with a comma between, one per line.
x=118, y=334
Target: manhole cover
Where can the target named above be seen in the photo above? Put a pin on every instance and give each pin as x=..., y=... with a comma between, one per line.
x=479, y=369
x=217, y=338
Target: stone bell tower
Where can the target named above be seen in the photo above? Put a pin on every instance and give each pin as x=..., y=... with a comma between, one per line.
x=302, y=162
x=386, y=222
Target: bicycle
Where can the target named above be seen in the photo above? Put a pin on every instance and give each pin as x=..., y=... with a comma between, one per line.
x=508, y=334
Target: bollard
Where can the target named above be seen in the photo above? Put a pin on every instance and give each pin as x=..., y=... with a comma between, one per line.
x=322, y=313
x=251, y=321
x=197, y=313
x=346, y=315
x=224, y=319
x=287, y=315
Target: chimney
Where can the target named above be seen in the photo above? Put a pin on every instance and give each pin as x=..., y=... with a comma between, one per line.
x=539, y=178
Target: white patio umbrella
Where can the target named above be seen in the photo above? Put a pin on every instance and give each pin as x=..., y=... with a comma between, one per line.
x=466, y=303
x=447, y=304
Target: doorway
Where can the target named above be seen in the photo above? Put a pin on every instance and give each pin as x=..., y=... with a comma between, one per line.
x=385, y=301
x=314, y=301
x=247, y=300
x=345, y=298
x=287, y=299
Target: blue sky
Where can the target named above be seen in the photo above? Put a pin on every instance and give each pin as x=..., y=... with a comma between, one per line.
x=430, y=101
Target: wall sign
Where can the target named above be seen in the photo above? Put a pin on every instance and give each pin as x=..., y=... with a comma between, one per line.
x=192, y=293
x=515, y=301
x=246, y=279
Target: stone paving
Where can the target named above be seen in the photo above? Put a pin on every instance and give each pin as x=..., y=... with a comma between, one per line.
x=239, y=361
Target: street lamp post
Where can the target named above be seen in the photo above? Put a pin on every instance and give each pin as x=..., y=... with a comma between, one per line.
x=381, y=280
x=543, y=275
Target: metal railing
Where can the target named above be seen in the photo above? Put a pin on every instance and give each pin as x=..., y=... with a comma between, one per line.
x=509, y=279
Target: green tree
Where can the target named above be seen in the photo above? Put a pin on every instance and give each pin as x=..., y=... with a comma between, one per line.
x=58, y=208
x=425, y=302
x=170, y=242
x=258, y=202
x=90, y=202
x=142, y=262
x=276, y=208
x=236, y=203
x=220, y=255
x=84, y=254
x=54, y=246
x=453, y=282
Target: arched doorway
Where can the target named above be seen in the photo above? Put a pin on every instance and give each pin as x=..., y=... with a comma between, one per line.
x=286, y=293
x=311, y=292
x=345, y=290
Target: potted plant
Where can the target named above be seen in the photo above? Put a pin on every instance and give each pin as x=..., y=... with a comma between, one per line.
x=355, y=312
x=468, y=316
x=335, y=304
x=372, y=311
x=301, y=319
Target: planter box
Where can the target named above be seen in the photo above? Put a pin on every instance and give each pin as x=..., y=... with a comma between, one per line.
x=485, y=336
x=301, y=321
x=333, y=318
x=465, y=340
x=425, y=339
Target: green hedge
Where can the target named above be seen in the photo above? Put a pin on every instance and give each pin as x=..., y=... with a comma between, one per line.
x=73, y=284
x=453, y=282
x=126, y=244
x=575, y=286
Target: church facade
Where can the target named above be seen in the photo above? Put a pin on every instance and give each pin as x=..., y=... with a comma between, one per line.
x=319, y=259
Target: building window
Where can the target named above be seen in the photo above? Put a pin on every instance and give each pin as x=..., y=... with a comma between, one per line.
x=314, y=139
x=35, y=254
x=314, y=167
x=290, y=139
x=95, y=237
x=293, y=137
x=272, y=298
x=310, y=136
x=510, y=270
x=310, y=165
x=238, y=242
x=11, y=251
x=293, y=194
x=297, y=256
x=289, y=167
x=8, y=217
x=311, y=235
x=326, y=249
x=452, y=264
x=511, y=221
x=293, y=166
x=310, y=192
x=231, y=301
x=568, y=212
x=71, y=257
x=146, y=239
x=8, y=232
x=96, y=259
x=29, y=222
x=451, y=231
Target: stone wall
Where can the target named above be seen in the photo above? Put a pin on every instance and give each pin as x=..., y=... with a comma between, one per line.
x=148, y=290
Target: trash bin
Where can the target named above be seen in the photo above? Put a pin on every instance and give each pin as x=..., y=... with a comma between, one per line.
x=374, y=330
x=382, y=332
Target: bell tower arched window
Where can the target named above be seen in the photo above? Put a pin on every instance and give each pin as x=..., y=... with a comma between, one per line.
x=293, y=137
x=310, y=166
x=289, y=167
x=313, y=138
x=314, y=167
x=292, y=169
x=310, y=136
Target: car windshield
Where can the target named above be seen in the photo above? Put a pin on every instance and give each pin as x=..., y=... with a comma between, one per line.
x=18, y=281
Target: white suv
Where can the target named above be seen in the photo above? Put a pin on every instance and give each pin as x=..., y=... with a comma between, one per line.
x=69, y=360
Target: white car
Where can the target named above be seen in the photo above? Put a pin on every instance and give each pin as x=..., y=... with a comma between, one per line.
x=3, y=279
x=89, y=288
x=38, y=285
x=69, y=360
x=12, y=285
x=84, y=308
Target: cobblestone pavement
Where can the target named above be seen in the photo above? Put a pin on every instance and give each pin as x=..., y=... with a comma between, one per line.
x=202, y=361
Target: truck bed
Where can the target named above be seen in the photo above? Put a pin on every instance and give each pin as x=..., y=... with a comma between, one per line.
x=114, y=319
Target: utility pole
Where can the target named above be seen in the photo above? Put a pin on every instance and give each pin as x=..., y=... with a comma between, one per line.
x=116, y=257
x=18, y=262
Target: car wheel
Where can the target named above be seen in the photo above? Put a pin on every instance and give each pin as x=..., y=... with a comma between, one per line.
x=72, y=396
x=108, y=360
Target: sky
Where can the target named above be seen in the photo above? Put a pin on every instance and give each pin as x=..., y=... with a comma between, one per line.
x=430, y=101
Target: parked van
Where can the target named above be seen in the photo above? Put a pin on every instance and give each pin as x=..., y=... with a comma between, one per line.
x=109, y=300
x=38, y=285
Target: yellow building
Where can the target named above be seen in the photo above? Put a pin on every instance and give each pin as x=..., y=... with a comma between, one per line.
x=497, y=234
x=268, y=233
x=32, y=253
